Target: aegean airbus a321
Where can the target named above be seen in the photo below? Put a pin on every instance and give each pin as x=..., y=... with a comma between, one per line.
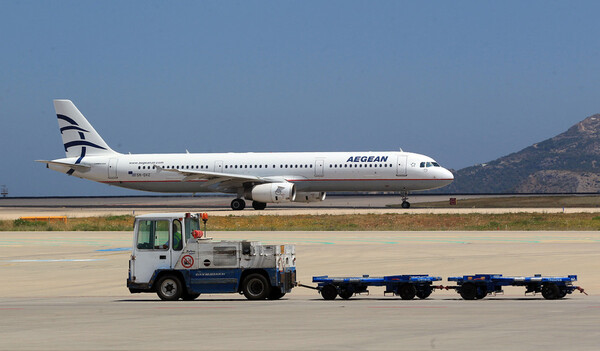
x=260, y=177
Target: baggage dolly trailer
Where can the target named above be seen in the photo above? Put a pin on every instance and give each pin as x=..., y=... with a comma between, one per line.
x=406, y=286
x=475, y=287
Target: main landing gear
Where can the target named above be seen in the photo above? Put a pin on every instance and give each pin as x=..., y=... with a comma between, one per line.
x=240, y=204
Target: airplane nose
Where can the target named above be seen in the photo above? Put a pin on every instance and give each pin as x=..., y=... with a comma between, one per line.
x=448, y=177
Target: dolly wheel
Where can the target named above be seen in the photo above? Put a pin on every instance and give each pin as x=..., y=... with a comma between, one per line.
x=329, y=292
x=468, y=291
x=550, y=291
x=407, y=292
x=346, y=294
x=423, y=294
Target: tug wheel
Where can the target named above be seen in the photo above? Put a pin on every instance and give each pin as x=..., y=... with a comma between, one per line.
x=169, y=288
x=275, y=293
x=256, y=287
x=189, y=297
x=329, y=292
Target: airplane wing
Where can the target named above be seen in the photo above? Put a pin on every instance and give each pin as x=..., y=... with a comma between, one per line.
x=218, y=180
x=77, y=167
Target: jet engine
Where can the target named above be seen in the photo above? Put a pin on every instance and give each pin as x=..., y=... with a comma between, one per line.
x=272, y=192
x=310, y=197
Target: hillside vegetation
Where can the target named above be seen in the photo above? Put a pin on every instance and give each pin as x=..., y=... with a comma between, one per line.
x=566, y=163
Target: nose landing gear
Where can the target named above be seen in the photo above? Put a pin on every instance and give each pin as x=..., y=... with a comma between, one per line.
x=405, y=204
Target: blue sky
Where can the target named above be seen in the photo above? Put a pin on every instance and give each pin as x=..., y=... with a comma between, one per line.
x=464, y=82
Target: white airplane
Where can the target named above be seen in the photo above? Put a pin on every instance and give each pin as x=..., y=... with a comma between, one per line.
x=260, y=177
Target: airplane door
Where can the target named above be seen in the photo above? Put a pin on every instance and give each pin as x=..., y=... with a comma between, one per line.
x=112, y=168
x=401, y=168
x=219, y=166
x=319, y=168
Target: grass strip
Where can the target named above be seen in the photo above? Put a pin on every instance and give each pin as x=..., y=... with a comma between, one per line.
x=371, y=222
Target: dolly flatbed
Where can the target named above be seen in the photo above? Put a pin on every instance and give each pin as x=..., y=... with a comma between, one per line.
x=406, y=286
x=477, y=286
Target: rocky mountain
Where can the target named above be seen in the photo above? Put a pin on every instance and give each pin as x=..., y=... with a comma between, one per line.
x=569, y=162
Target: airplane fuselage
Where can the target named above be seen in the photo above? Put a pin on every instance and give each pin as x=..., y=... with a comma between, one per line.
x=309, y=171
x=260, y=177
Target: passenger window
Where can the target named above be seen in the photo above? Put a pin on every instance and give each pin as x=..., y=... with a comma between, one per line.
x=153, y=235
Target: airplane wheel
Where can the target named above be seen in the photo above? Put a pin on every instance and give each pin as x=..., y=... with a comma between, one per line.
x=238, y=204
x=259, y=205
x=405, y=204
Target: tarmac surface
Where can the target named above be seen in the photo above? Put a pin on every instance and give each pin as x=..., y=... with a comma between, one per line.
x=66, y=291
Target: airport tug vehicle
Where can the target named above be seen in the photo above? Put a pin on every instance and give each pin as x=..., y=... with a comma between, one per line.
x=173, y=257
x=478, y=286
x=405, y=286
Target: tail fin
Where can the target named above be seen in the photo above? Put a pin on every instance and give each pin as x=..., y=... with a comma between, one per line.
x=78, y=135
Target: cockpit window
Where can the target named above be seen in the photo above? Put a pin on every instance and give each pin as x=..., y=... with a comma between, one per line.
x=429, y=164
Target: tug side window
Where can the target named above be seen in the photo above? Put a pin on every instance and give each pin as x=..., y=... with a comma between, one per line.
x=153, y=235
x=177, y=242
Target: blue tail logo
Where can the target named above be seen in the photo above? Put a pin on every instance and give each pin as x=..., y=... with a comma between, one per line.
x=82, y=141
